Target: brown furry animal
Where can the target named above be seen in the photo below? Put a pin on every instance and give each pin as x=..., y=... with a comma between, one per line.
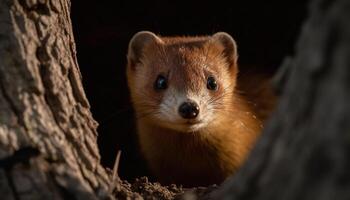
x=194, y=127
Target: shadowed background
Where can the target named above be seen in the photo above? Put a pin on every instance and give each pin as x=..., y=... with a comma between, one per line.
x=265, y=32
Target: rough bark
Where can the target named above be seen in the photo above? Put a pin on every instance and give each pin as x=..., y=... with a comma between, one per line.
x=48, y=144
x=304, y=151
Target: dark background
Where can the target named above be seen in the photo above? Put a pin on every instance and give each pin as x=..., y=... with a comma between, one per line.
x=264, y=30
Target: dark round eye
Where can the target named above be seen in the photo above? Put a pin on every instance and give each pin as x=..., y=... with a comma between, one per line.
x=211, y=83
x=161, y=83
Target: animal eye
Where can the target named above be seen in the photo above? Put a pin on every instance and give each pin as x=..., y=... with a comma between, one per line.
x=161, y=83
x=211, y=83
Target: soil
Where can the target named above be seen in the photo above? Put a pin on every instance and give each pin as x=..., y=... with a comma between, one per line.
x=141, y=188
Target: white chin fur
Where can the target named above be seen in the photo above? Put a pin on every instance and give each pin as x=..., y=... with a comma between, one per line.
x=182, y=127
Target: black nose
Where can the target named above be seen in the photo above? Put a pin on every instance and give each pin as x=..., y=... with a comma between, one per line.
x=189, y=110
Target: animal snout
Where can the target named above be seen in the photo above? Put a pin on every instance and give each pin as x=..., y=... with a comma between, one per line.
x=189, y=110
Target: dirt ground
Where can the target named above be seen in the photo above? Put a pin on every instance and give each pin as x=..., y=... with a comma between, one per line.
x=141, y=188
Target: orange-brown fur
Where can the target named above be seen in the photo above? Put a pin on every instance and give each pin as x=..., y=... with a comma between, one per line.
x=212, y=153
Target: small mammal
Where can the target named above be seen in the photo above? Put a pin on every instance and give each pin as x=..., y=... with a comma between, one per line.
x=194, y=128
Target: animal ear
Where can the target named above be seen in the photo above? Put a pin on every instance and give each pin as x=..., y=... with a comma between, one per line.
x=229, y=45
x=137, y=44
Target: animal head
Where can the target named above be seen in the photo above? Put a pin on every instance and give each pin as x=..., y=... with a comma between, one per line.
x=181, y=83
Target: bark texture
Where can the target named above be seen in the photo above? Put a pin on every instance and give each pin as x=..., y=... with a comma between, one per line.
x=304, y=152
x=48, y=144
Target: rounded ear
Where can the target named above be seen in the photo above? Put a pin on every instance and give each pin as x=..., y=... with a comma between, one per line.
x=137, y=44
x=229, y=44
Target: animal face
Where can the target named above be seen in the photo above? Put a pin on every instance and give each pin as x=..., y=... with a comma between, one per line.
x=181, y=83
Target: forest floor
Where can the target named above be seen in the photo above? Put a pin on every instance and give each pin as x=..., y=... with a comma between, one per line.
x=141, y=188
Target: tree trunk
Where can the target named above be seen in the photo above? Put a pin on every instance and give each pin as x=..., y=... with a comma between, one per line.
x=304, y=151
x=48, y=144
